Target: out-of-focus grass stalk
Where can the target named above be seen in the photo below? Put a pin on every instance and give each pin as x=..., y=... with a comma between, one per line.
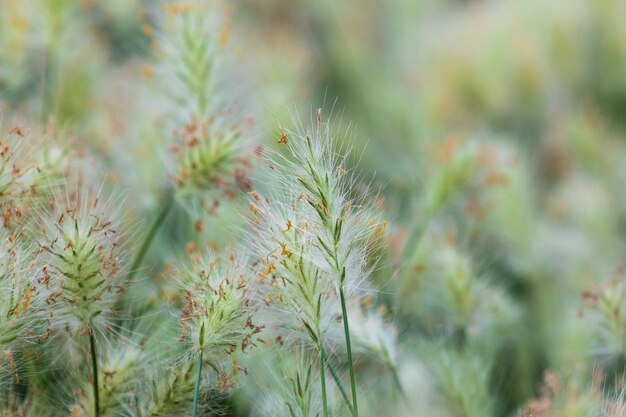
x=333, y=373
x=396, y=378
x=398, y=383
x=156, y=225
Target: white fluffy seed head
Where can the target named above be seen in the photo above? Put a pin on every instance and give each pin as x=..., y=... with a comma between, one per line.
x=298, y=295
x=20, y=307
x=29, y=167
x=16, y=290
x=216, y=316
x=310, y=236
x=80, y=260
x=344, y=223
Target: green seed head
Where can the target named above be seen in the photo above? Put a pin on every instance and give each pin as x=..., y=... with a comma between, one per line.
x=80, y=261
x=207, y=157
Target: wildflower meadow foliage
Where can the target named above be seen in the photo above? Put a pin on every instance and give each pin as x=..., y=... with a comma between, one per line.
x=312, y=209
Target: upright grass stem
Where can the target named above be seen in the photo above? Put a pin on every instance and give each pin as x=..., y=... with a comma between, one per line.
x=196, y=388
x=320, y=348
x=346, y=329
x=338, y=382
x=94, y=367
x=323, y=381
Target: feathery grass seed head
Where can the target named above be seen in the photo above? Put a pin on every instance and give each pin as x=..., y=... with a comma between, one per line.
x=81, y=257
x=216, y=316
x=209, y=155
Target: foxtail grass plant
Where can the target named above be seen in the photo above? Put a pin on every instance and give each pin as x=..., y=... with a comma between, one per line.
x=31, y=164
x=207, y=153
x=216, y=317
x=296, y=392
x=488, y=295
x=313, y=238
x=20, y=319
x=80, y=256
x=215, y=320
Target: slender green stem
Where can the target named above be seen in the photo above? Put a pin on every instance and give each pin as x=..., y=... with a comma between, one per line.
x=323, y=381
x=346, y=329
x=196, y=388
x=151, y=234
x=94, y=367
x=333, y=373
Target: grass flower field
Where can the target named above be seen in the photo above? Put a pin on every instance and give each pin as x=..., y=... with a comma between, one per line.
x=312, y=209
